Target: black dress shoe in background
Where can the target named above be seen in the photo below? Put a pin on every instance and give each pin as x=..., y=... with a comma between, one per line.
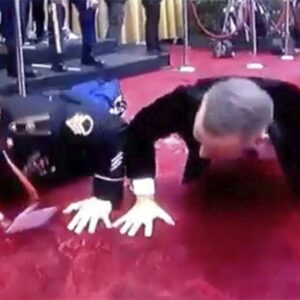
x=59, y=68
x=29, y=73
x=90, y=60
x=87, y=57
x=153, y=52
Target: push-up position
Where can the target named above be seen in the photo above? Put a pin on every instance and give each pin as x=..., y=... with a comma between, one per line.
x=217, y=118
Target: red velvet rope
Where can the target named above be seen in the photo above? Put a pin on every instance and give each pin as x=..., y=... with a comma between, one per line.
x=201, y=26
x=32, y=193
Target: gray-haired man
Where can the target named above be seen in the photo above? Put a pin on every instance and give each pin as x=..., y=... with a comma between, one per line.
x=217, y=118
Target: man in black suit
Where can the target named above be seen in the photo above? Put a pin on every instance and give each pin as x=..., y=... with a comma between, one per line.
x=217, y=118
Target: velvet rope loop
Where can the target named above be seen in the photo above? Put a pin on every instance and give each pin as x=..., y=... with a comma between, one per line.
x=276, y=25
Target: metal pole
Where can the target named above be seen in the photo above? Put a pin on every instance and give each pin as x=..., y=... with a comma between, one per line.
x=253, y=25
x=227, y=13
x=185, y=68
x=287, y=28
x=19, y=50
x=56, y=29
x=186, y=32
x=254, y=65
x=287, y=55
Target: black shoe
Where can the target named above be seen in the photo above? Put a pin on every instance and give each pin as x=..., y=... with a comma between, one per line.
x=59, y=68
x=91, y=61
x=161, y=49
x=153, y=52
x=29, y=73
x=43, y=40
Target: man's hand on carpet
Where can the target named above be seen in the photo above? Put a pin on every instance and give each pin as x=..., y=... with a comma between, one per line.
x=89, y=212
x=4, y=222
x=144, y=212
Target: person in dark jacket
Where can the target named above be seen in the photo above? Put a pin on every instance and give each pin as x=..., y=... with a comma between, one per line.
x=218, y=118
x=57, y=138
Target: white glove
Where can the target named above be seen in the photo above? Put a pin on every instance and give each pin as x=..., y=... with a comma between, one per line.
x=144, y=212
x=76, y=124
x=89, y=212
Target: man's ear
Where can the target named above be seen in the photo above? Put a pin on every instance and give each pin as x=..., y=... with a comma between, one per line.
x=262, y=137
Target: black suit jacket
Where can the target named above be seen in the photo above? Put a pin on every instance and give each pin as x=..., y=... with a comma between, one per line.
x=100, y=152
x=175, y=113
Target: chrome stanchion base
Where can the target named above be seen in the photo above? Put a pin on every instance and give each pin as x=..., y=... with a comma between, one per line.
x=287, y=57
x=254, y=66
x=187, y=69
x=49, y=66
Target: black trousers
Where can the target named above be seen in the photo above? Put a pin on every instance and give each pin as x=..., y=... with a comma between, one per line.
x=9, y=31
x=87, y=26
x=152, y=11
x=38, y=14
x=56, y=57
x=8, y=19
x=115, y=20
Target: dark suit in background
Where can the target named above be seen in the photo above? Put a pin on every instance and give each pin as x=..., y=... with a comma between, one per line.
x=152, y=12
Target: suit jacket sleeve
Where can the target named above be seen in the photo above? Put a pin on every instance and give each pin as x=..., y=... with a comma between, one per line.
x=285, y=130
x=165, y=116
x=108, y=180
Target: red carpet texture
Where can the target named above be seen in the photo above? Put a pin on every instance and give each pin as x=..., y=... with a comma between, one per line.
x=237, y=234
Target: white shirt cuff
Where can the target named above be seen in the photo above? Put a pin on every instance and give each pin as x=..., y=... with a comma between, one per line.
x=143, y=187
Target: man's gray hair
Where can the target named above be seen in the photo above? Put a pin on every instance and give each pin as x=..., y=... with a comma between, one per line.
x=237, y=106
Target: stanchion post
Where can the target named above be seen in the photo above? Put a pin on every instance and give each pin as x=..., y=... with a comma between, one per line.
x=19, y=50
x=287, y=55
x=254, y=32
x=253, y=65
x=185, y=68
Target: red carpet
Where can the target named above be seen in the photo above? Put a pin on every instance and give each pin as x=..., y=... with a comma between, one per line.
x=237, y=234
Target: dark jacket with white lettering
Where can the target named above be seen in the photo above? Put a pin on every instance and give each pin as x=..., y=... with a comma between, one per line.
x=175, y=113
x=69, y=154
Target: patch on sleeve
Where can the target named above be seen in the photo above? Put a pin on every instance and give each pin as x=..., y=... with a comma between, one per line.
x=116, y=162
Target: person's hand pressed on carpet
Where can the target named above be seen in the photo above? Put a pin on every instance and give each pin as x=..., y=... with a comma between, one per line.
x=4, y=222
x=89, y=212
x=144, y=212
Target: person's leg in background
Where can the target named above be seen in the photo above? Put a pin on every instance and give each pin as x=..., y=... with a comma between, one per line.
x=115, y=19
x=152, y=12
x=88, y=30
x=56, y=42
x=24, y=14
x=38, y=14
x=8, y=21
x=1, y=26
x=68, y=34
